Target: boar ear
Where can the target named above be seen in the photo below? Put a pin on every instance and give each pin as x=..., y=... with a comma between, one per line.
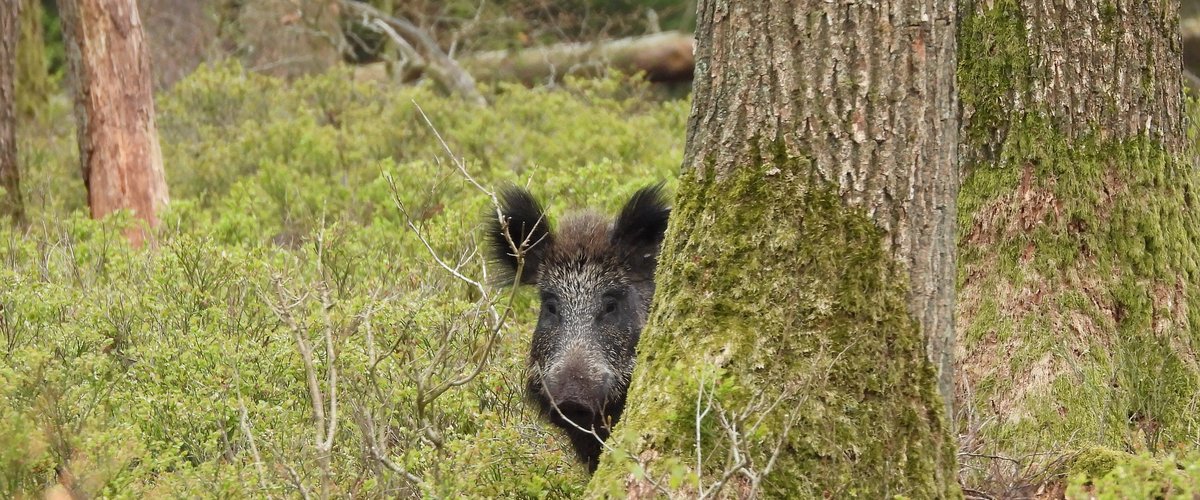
x=640, y=228
x=524, y=231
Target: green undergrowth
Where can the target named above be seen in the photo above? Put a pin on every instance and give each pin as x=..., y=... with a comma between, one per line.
x=1079, y=282
x=805, y=368
x=1104, y=474
x=176, y=371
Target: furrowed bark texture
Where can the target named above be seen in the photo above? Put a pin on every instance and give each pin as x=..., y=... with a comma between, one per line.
x=809, y=256
x=114, y=109
x=1078, y=228
x=10, y=198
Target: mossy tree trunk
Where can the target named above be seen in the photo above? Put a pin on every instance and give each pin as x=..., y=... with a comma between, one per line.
x=114, y=109
x=809, y=256
x=33, y=78
x=1078, y=312
x=10, y=185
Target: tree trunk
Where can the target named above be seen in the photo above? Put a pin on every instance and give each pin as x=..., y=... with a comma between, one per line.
x=33, y=77
x=182, y=35
x=1078, y=311
x=114, y=109
x=809, y=255
x=10, y=185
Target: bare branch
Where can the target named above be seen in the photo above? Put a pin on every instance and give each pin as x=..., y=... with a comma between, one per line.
x=414, y=58
x=441, y=67
x=244, y=422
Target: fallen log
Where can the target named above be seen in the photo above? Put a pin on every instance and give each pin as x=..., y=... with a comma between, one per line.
x=663, y=57
x=1189, y=27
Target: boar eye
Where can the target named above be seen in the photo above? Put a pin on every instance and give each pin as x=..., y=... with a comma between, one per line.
x=550, y=303
x=611, y=302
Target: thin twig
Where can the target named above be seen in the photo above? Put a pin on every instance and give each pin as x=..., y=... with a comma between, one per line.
x=258, y=463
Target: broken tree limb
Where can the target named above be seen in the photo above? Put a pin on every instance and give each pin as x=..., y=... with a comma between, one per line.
x=664, y=57
x=413, y=40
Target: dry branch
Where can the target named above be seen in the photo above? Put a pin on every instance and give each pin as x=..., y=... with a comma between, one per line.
x=416, y=42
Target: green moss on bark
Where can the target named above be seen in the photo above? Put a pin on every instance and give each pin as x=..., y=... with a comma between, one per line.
x=771, y=289
x=1078, y=312
x=986, y=84
x=1107, y=234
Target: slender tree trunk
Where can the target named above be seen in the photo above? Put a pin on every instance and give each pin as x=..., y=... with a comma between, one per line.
x=1079, y=313
x=33, y=78
x=809, y=256
x=10, y=184
x=114, y=109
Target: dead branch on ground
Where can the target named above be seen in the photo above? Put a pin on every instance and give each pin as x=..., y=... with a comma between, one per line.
x=421, y=50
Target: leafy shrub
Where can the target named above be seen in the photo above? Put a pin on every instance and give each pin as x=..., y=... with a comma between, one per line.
x=304, y=219
x=1141, y=476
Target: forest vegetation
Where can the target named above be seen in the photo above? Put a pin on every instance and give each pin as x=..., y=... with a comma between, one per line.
x=313, y=313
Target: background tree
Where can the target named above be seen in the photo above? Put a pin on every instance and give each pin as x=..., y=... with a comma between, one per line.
x=809, y=255
x=289, y=38
x=182, y=34
x=114, y=109
x=33, y=82
x=1078, y=312
x=10, y=185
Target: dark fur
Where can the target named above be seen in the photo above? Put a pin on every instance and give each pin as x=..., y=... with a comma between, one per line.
x=596, y=279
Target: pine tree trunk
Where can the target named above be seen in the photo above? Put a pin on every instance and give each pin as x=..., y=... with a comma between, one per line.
x=114, y=109
x=810, y=254
x=1079, y=319
x=10, y=185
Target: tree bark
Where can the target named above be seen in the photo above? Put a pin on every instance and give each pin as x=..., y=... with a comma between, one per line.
x=10, y=184
x=1079, y=313
x=114, y=109
x=809, y=255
